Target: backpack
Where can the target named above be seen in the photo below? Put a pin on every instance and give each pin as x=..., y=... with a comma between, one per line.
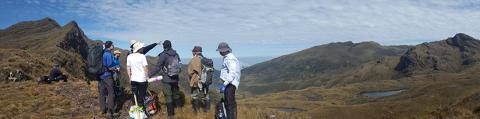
x=94, y=59
x=44, y=80
x=220, y=111
x=207, y=71
x=173, y=65
x=151, y=102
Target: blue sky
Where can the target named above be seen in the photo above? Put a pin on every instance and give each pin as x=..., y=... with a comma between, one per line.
x=255, y=27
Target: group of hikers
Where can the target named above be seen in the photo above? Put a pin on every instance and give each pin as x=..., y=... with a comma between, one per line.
x=168, y=69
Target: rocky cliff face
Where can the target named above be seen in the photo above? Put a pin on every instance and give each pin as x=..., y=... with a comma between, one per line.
x=66, y=45
x=451, y=55
x=75, y=40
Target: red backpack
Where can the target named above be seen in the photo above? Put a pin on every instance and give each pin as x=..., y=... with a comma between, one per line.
x=151, y=101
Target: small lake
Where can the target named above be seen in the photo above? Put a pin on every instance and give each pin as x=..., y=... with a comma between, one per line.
x=379, y=94
x=289, y=109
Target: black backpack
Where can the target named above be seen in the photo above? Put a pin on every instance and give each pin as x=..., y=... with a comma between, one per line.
x=94, y=59
x=207, y=71
x=94, y=62
x=220, y=111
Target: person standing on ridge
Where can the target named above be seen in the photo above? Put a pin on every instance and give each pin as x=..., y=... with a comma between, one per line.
x=107, y=80
x=137, y=73
x=169, y=67
x=230, y=75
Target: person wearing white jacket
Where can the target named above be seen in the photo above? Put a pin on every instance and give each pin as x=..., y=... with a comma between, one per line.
x=230, y=74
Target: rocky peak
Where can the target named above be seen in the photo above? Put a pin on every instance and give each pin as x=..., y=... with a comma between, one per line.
x=463, y=41
x=75, y=40
x=71, y=25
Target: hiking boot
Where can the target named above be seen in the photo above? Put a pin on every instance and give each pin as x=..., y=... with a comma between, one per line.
x=114, y=115
x=104, y=112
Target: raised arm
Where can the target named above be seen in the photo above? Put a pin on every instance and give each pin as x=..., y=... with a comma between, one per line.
x=148, y=48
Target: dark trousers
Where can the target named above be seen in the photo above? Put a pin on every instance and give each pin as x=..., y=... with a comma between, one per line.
x=171, y=91
x=200, y=98
x=106, y=94
x=140, y=90
x=230, y=102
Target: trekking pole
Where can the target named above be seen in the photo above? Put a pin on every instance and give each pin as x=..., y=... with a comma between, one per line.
x=224, y=109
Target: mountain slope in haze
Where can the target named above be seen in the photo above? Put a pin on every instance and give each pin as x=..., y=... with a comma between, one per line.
x=312, y=66
x=64, y=45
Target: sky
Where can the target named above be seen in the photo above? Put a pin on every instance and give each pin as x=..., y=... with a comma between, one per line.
x=255, y=27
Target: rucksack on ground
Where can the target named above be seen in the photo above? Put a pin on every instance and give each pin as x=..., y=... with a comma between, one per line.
x=44, y=80
x=94, y=59
x=207, y=71
x=173, y=65
x=152, y=103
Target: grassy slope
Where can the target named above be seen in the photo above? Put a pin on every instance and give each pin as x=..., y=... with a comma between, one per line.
x=76, y=99
x=442, y=96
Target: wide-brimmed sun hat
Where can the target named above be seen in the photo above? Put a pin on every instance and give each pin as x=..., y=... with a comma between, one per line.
x=137, y=46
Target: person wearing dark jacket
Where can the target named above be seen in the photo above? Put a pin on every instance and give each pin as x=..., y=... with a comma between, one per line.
x=170, y=83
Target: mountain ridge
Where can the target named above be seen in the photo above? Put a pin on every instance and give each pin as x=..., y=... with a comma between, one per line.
x=312, y=66
x=64, y=45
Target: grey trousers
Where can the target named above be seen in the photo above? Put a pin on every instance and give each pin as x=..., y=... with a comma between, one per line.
x=106, y=95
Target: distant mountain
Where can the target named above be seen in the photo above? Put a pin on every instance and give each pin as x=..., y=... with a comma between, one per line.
x=64, y=45
x=244, y=61
x=344, y=63
x=250, y=61
x=312, y=66
x=450, y=55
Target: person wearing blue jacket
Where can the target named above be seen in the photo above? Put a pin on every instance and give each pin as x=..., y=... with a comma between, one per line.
x=106, y=83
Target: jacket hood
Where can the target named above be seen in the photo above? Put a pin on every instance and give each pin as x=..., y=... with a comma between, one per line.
x=170, y=52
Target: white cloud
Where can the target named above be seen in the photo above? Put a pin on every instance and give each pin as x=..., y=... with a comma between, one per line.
x=257, y=22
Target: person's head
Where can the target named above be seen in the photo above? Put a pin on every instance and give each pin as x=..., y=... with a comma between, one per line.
x=117, y=53
x=197, y=50
x=224, y=49
x=109, y=45
x=137, y=46
x=167, y=45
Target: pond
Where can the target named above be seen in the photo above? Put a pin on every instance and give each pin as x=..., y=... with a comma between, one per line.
x=379, y=94
x=289, y=109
